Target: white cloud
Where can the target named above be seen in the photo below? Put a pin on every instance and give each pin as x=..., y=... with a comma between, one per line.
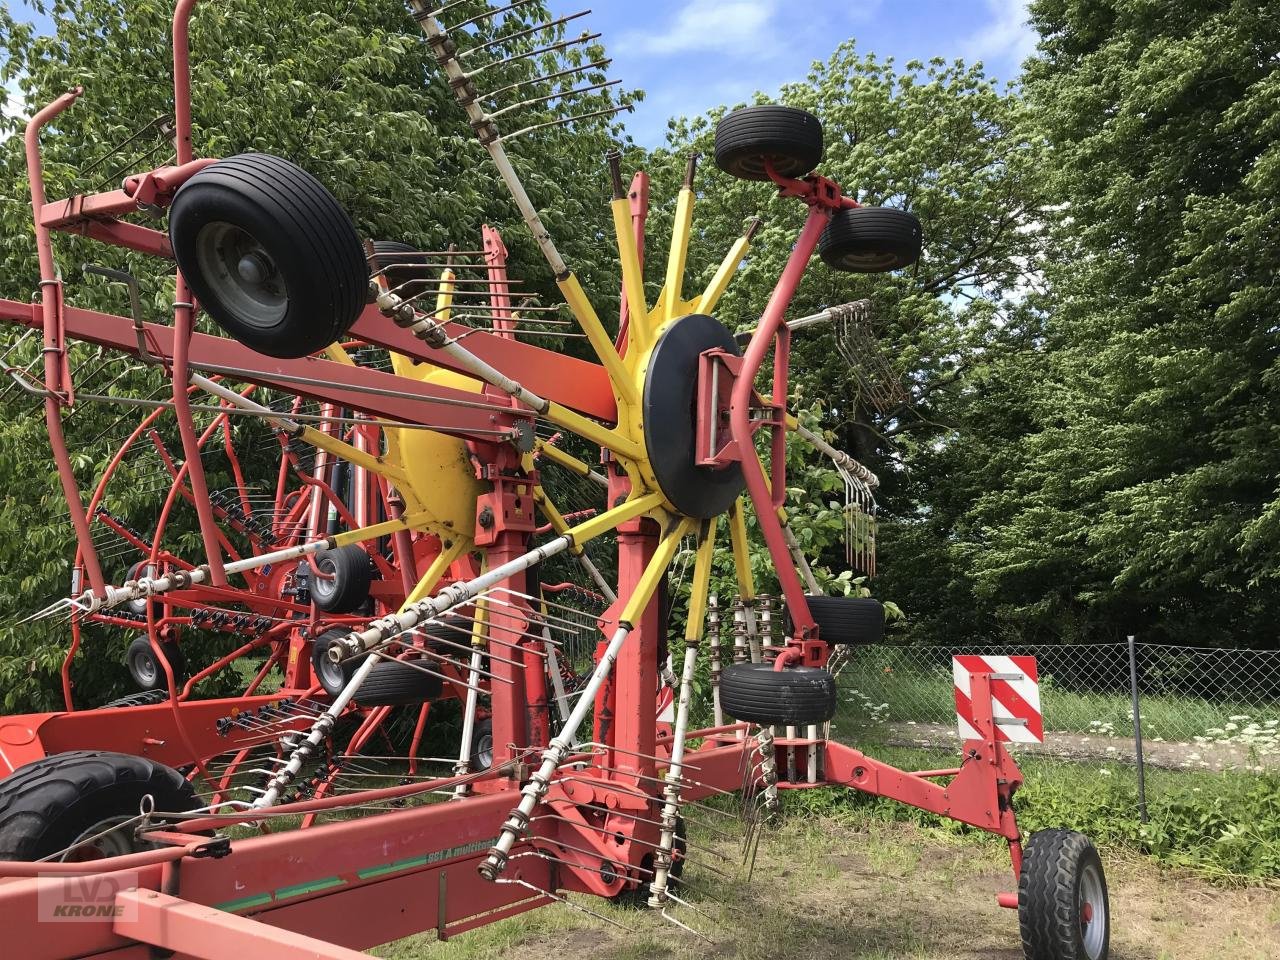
x=1006, y=34
x=725, y=26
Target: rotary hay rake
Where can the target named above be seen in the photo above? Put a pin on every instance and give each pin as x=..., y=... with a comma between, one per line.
x=388, y=483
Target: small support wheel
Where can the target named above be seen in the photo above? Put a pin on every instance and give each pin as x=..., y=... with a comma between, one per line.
x=790, y=139
x=757, y=693
x=145, y=668
x=1063, y=910
x=871, y=240
x=637, y=897
x=393, y=683
x=481, y=746
x=341, y=579
x=139, y=606
x=65, y=806
x=270, y=254
x=333, y=677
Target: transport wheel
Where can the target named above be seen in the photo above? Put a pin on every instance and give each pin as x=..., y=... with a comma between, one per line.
x=870, y=240
x=270, y=254
x=145, y=668
x=143, y=699
x=846, y=620
x=57, y=806
x=1063, y=910
x=395, y=684
x=638, y=896
x=790, y=139
x=757, y=693
x=482, y=746
x=333, y=677
x=341, y=579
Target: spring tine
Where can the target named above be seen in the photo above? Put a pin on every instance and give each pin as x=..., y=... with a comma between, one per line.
x=566, y=120
x=487, y=14
x=585, y=37
x=595, y=64
x=528, y=31
x=552, y=96
x=560, y=899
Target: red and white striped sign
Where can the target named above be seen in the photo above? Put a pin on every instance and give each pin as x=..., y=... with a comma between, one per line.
x=1015, y=697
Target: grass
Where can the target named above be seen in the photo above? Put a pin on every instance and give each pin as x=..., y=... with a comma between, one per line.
x=883, y=687
x=853, y=886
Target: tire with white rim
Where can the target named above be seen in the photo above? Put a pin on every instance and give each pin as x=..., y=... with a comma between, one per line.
x=1063, y=910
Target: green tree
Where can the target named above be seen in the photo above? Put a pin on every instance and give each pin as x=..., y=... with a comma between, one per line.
x=1141, y=494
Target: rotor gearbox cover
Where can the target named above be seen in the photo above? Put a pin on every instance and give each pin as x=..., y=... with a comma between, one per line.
x=671, y=419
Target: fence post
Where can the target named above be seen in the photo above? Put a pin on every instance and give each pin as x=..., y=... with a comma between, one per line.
x=1137, y=730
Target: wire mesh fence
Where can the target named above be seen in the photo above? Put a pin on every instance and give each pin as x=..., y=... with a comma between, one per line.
x=1200, y=708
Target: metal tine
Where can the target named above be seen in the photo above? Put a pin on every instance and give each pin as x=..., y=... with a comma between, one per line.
x=584, y=37
x=552, y=96
x=501, y=643
x=463, y=646
x=627, y=814
x=528, y=31
x=576, y=849
x=598, y=748
x=547, y=893
x=567, y=120
x=462, y=667
x=549, y=603
x=158, y=121
x=595, y=781
x=569, y=626
x=493, y=95
x=492, y=12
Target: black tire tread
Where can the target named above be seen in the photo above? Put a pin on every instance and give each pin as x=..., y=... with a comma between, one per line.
x=1048, y=920
x=791, y=137
x=757, y=693
x=871, y=240
x=846, y=620
x=353, y=573
x=395, y=684
x=316, y=227
x=35, y=797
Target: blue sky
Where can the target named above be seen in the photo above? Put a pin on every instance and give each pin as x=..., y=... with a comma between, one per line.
x=689, y=55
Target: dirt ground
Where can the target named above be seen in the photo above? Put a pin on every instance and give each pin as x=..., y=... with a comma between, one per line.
x=877, y=891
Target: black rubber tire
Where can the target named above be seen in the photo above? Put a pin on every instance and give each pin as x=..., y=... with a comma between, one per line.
x=333, y=677
x=352, y=573
x=757, y=693
x=312, y=252
x=845, y=620
x=1050, y=905
x=871, y=240
x=47, y=805
x=482, y=746
x=395, y=684
x=144, y=699
x=145, y=668
x=402, y=264
x=638, y=896
x=790, y=138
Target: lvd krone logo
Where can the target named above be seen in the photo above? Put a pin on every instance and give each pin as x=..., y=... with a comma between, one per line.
x=85, y=898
